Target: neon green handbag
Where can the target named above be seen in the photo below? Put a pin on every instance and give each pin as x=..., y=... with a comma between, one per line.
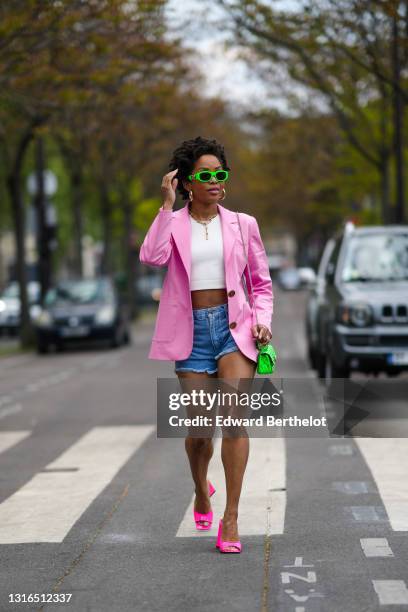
x=266, y=360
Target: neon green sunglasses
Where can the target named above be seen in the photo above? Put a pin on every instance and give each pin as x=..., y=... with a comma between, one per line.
x=205, y=175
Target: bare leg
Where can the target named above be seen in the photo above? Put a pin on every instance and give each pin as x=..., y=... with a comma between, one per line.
x=199, y=452
x=234, y=451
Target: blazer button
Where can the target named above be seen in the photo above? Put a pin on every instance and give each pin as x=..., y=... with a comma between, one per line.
x=232, y=325
x=231, y=293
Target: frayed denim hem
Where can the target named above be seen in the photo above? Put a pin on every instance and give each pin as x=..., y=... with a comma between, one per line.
x=193, y=370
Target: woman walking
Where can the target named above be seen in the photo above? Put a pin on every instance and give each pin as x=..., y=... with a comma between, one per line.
x=204, y=321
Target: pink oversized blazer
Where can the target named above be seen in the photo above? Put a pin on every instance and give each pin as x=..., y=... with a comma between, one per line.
x=168, y=243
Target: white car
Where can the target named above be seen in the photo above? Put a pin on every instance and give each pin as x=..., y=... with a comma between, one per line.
x=10, y=305
x=289, y=279
x=307, y=276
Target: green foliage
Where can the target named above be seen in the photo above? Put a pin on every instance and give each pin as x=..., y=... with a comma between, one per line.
x=343, y=51
x=145, y=212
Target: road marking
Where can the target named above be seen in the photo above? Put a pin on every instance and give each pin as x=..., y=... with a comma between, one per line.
x=54, y=378
x=352, y=487
x=47, y=381
x=387, y=459
x=376, y=547
x=49, y=504
x=10, y=438
x=391, y=592
x=4, y=412
x=263, y=498
x=340, y=449
x=367, y=513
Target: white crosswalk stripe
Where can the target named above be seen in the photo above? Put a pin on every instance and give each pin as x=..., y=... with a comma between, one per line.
x=391, y=592
x=376, y=547
x=47, y=506
x=387, y=459
x=11, y=438
x=263, y=498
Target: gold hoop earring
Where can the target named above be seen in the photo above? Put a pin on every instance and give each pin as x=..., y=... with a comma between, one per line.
x=190, y=196
x=223, y=198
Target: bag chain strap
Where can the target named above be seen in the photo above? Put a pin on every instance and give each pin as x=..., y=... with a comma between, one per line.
x=249, y=271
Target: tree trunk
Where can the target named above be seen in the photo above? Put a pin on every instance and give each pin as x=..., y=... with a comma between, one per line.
x=77, y=199
x=74, y=160
x=385, y=186
x=18, y=215
x=107, y=230
x=43, y=250
x=398, y=123
x=129, y=255
x=384, y=159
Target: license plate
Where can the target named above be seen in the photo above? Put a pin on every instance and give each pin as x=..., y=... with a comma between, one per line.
x=81, y=330
x=400, y=358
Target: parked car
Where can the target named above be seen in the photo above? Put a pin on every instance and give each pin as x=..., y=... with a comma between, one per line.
x=357, y=314
x=148, y=288
x=10, y=305
x=289, y=279
x=307, y=276
x=83, y=309
x=276, y=262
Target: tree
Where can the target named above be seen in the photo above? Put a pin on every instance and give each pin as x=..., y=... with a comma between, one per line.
x=84, y=54
x=342, y=50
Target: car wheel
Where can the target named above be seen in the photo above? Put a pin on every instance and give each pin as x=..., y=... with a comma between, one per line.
x=312, y=354
x=127, y=337
x=334, y=371
x=320, y=364
x=116, y=338
x=59, y=347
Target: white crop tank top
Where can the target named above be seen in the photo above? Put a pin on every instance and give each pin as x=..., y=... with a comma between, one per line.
x=207, y=256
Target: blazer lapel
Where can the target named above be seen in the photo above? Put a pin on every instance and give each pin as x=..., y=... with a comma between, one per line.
x=181, y=231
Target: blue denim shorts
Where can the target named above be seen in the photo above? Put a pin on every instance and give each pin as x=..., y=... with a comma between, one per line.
x=212, y=339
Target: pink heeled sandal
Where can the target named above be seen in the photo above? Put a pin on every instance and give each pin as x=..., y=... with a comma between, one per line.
x=223, y=545
x=207, y=518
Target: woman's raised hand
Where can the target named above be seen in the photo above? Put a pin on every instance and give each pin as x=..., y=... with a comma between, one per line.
x=168, y=188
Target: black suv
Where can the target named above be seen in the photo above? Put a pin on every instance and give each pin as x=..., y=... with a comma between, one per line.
x=357, y=313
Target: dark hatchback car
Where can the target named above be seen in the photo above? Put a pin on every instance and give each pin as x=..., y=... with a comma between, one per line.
x=357, y=314
x=83, y=309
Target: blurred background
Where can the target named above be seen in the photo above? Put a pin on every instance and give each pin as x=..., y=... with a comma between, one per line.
x=308, y=98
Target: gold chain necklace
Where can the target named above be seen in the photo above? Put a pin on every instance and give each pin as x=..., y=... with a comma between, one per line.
x=205, y=223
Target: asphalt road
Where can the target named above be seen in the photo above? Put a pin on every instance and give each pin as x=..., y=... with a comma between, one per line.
x=94, y=506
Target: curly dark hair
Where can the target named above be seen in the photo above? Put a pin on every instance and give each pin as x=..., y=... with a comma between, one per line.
x=185, y=156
